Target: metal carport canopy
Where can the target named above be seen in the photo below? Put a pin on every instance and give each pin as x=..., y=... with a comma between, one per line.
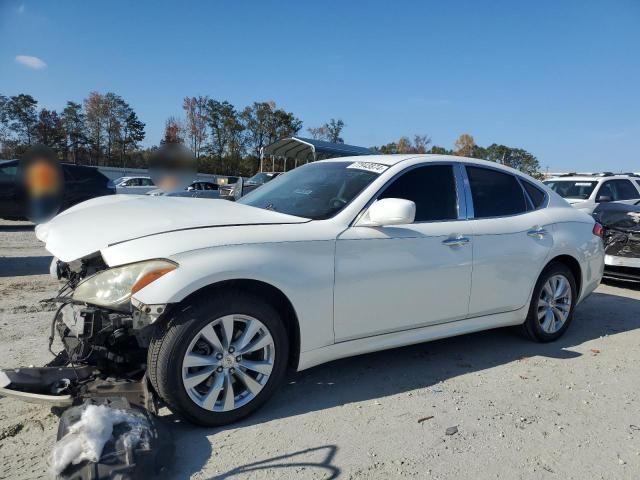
x=308, y=149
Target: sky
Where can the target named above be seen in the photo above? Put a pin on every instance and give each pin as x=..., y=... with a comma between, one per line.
x=560, y=79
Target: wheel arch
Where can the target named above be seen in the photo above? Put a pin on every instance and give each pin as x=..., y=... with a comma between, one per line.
x=572, y=264
x=272, y=295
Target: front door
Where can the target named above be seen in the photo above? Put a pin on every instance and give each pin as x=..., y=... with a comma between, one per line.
x=406, y=276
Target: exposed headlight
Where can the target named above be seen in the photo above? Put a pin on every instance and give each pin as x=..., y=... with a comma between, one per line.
x=113, y=287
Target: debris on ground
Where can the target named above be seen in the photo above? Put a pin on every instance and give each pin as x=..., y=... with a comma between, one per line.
x=451, y=430
x=11, y=431
x=86, y=438
x=424, y=419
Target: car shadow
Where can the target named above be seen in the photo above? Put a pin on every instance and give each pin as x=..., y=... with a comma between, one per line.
x=18, y=228
x=24, y=266
x=629, y=285
x=404, y=369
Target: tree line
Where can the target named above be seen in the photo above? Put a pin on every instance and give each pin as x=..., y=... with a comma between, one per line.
x=104, y=130
x=465, y=146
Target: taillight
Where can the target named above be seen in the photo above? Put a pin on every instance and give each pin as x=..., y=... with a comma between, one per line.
x=598, y=230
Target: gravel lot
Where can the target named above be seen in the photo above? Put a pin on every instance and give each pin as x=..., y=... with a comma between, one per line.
x=522, y=410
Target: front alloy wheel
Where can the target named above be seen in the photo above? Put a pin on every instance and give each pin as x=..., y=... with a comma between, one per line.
x=228, y=363
x=218, y=359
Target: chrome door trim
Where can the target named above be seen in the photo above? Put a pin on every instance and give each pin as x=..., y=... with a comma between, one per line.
x=466, y=188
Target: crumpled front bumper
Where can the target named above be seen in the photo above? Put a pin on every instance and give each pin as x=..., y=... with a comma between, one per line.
x=47, y=385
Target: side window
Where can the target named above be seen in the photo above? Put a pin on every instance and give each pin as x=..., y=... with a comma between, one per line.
x=625, y=190
x=494, y=193
x=536, y=195
x=617, y=190
x=606, y=190
x=146, y=182
x=8, y=172
x=432, y=188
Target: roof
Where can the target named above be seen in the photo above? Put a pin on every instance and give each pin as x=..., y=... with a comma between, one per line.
x=591, y=178
x=309, y=149
x=424, y=157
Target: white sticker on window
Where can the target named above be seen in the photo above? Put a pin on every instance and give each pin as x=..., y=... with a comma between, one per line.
x=583, y=184
x=369, y=166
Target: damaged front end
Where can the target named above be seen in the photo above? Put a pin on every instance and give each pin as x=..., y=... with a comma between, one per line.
x=621, y=223
x=104, y=334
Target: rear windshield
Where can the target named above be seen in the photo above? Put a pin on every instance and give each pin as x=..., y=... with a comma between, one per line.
x=572, y=188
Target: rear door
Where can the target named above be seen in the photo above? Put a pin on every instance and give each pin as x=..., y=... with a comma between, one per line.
x=512, y=238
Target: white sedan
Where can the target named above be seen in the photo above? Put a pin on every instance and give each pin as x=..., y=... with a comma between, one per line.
x=335, y=258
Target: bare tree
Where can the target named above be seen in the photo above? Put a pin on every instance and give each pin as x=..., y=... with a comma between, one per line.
x=196, y=121
x=464, y=145
x=94, y=107
x=172, y=131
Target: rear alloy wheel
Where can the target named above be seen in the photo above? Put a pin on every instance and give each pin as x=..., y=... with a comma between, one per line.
x=552, y=304
x=219, y=359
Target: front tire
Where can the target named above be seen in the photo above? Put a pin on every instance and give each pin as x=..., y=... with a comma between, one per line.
x=552, y=304
x=218, y=360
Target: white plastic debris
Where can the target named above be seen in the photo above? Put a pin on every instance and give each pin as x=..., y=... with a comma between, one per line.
x=87, y=437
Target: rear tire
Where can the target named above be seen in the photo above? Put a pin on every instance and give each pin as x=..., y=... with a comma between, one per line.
x=552, y=304
x=219, y=359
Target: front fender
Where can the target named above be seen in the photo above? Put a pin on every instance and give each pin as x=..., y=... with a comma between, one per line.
x=303, y=271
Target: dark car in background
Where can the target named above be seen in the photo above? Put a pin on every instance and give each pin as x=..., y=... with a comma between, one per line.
x=80, y=183
x=621, y=237
x=242, y=187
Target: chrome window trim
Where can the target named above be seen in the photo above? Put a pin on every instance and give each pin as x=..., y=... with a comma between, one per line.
x=461, y=204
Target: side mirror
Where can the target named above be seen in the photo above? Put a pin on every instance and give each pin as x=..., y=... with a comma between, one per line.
x=389, y=211
x=603, y=198
x=190, y=189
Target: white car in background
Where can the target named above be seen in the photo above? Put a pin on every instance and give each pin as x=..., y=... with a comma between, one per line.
x=133, y=185
x=585, y=192
x=332, y=259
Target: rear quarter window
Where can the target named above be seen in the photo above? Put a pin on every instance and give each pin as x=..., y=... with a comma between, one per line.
x=536, y=195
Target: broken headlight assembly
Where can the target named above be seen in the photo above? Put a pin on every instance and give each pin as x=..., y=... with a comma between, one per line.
x=113, y=288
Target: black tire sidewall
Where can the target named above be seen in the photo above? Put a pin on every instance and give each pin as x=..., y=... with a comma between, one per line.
x=188, y=321
x=532, y=324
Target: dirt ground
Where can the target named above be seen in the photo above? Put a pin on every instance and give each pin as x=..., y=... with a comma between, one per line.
x=566, y=410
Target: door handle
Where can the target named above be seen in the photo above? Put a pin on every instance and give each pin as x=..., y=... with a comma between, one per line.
x=537, y=232
x=456, y=241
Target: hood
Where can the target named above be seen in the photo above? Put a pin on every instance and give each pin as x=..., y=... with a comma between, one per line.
x=98, y=223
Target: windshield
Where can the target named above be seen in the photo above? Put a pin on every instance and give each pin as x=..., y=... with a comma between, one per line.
x=260, y=178
x=317, y=190
x=572, y=188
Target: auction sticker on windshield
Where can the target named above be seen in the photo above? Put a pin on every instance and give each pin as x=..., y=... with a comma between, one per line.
x=369, y=166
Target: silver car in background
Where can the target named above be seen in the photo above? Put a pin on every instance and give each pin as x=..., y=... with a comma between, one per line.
x=133, y=185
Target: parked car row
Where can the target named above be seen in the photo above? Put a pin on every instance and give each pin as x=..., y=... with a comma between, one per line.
x=585, y=192
x=80, y=183
x=614, y=201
